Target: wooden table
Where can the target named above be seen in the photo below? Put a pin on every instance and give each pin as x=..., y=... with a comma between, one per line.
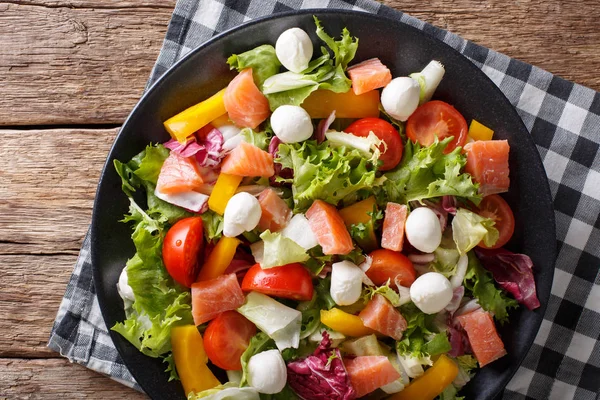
x=70, y=71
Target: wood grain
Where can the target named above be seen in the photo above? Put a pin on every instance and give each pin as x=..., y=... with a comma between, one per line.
x=23, y=379
x=100, y=52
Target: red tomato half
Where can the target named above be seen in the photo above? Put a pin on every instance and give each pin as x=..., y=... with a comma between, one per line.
x=496, y=208
x=226, y=338
x=182, y=247
x=392, y=265
x=291, y=281
x=384, y=131
x=437, y=118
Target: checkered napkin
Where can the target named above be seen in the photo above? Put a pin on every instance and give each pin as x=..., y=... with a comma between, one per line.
x=564, y=120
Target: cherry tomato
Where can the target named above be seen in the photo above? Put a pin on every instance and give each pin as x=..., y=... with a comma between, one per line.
x=392, y=265
x=496, y=208
x=384, y=131
x=226, y=338
x=291, y=281
x=437, y=118
x=182, y=247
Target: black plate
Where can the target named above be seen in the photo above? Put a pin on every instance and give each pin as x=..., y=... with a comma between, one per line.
x=402, y=48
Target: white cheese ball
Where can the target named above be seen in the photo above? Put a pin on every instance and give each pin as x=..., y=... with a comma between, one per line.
x=242, y=214
x=346, y=283
x=294, y=49
x=291, y=124
x=400, y=98
x=431, y=292
x=267, y=372
x=423, y=229
x=125, y=291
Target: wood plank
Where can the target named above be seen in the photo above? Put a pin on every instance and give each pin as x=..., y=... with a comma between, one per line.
x=47, y=187
x=88, y=66
x=75, y=66
x=31, y=289
x=23, y=379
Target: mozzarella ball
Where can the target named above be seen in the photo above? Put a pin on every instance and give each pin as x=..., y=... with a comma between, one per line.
x=423, y=230
x=267, y=372
x=346, y=283
x=400, y=98
x=291, y=124
x=294, y=49
x=125, y=291
x=431, y=292
x=242, y=214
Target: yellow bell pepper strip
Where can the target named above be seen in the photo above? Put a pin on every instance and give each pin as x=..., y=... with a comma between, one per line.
x=358, y=213
x=220, y=121
x=191, y=359
x=344, y=323
x=478, y=131
x=219, y=259
x=223, y=191
x=321, y=103
x=182, y=125
x=433, y=382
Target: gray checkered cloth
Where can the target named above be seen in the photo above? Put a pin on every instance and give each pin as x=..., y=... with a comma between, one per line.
x=564, y=120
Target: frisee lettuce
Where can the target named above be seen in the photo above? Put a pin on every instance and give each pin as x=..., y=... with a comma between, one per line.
x=323, y=172
x=426, y=172
x=480, y=283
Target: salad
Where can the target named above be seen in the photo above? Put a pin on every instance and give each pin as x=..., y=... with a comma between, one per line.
x=320, y=229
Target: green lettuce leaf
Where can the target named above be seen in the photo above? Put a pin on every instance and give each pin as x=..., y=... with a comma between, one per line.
x=426, y=172
x=261, y=59
x=417, y=328
x=280, y=250
x=213, y=225
x=150, y=162
x=445, y=261
x=228, y=391
x=258, y=139
x=392, y=296
x=480, y=282
x=468, y=229
x=326, y=173
x=344, y=49
x=450, y=393
x=438, y=344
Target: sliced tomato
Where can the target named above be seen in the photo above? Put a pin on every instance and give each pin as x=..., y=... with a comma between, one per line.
x=182, y=247
x=496, y=208
x=437, y=118
x=384, y=131
x=226, y=338
x=291, y=281
x=392, y=265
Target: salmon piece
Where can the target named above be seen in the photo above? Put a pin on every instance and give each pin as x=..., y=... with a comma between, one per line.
x=487, y=163
x=392, y=237
x=244, y=102
x=368, y=75
x=483, y=337
x=329, y=228
x=179, y=174
x=275, y=212
x=380, y=315
x=212, y=297
x=369, y=373
x=248, y=160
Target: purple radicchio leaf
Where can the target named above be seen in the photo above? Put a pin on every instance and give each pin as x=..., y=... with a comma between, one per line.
x=322, y=375
x=323, y=126
x=513, y=272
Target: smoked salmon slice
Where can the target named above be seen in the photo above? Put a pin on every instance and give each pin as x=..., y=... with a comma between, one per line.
x=380, y=315
x=244, y=102
x=369, y=373
x=329, y=228
x=483, y=337
x=214, y=296
x=275, y=212
x=368, y=75
x=392, y=237
x=179, y=174
x=487, y=163
x=248, y=160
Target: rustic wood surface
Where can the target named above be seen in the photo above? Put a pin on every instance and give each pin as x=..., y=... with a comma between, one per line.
x=70, y=68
